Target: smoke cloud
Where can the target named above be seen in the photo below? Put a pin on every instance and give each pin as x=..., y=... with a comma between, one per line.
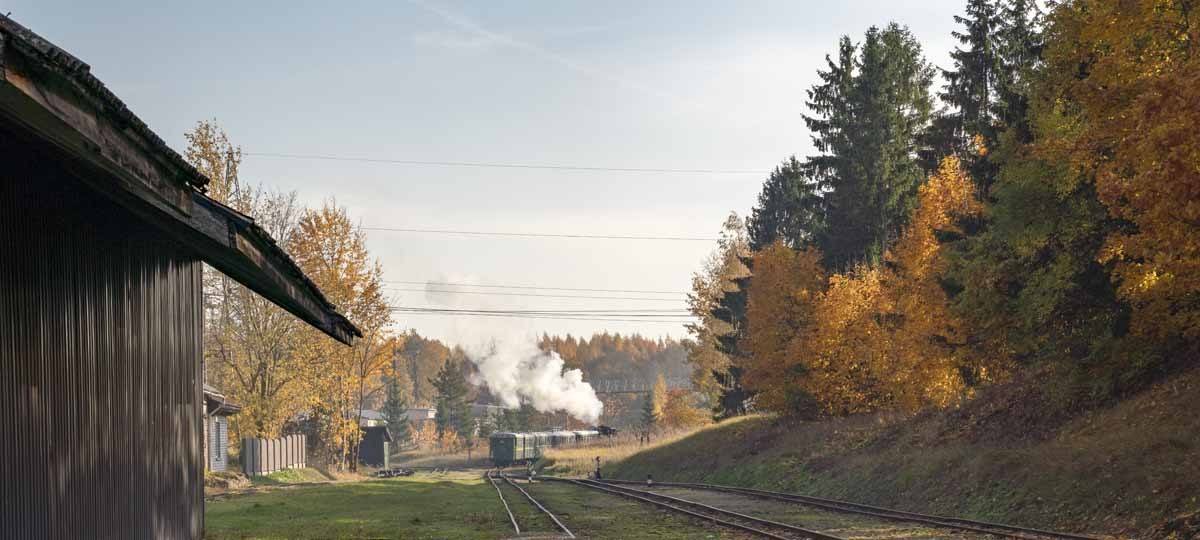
x=521, y=371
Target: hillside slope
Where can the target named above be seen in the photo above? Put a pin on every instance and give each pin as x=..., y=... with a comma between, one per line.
x=1122, y=469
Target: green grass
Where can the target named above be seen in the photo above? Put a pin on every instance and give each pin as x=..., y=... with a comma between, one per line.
x=455, y=505
x=289, y=476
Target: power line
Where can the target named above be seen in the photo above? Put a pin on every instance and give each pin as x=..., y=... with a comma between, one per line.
x=530, y=287
x=532, y=295
x=597, y=319
x=571, y=313
x=613, y=316
x=543, y=235
x=656, y=312
x=493, y=165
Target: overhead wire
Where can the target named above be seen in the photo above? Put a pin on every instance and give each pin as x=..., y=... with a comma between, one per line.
x=543, y=235
x=499, y=165
x=568, y=315
x=530, y=287
x=534, y=295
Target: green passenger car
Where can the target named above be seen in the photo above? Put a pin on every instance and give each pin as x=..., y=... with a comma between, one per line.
x=505, y=448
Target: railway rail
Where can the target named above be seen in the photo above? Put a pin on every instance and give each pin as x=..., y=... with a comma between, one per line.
x=492, y=476
x=983, y=527
x=758, y=526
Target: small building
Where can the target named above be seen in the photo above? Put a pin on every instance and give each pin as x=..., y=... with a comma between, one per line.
x=103, y=232
x=420, y=414
x=482, y=411
x=217, y=410
x=375, y=447
x=371, y=417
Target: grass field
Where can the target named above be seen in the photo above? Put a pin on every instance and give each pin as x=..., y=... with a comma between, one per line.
x=452, y=505
x=456, y=505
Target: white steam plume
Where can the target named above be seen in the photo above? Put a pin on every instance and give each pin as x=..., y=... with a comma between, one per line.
x=521, y=371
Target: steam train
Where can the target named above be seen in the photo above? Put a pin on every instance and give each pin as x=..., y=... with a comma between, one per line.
x=507, y=448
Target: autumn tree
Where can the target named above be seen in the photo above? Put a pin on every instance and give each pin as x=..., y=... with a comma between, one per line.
x=782, y=297
x=249, y=347
x=1130, y=73
x=927, y=363
x=333, y=253
x=680, y=410
x=652, y=409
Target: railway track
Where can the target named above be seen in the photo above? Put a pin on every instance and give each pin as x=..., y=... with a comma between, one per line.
x=982, y=527
x=492, y=478
x=754, y=525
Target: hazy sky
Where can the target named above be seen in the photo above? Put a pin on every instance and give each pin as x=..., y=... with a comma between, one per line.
x=680, y=85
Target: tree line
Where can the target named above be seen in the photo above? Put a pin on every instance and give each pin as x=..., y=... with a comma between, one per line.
x=1040, y=212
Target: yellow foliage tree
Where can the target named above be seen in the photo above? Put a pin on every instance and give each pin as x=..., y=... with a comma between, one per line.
x=779, y=310
x=869, y=339
x=1130, y=72
x=249, y=346
x=844, y=353
x=925, y=341
x=332, y=252
x=681, y=411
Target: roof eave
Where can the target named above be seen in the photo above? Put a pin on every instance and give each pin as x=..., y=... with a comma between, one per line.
x=51, y=95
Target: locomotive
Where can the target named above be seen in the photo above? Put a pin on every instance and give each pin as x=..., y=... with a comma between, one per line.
x=507, y=448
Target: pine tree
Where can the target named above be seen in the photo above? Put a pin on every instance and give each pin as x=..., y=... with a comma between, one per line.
x=453, y=411
x=970, y=86
x=868, y=115
x=1018, y=51
x=395, y=408
x=789, y=208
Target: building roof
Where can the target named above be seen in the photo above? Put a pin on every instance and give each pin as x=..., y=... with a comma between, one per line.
x=51, y=96
x=216, y=403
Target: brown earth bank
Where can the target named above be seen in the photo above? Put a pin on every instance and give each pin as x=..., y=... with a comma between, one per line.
x=1012, y=454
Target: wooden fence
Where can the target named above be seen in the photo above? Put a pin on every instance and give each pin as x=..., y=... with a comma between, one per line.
x=265, y=456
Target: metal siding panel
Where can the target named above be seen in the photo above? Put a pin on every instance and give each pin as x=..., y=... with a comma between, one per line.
x=100, y=380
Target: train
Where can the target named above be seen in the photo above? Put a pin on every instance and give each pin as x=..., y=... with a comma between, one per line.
x=508, y=448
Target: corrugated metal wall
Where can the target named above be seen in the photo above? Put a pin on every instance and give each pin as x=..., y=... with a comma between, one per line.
x=100, y=348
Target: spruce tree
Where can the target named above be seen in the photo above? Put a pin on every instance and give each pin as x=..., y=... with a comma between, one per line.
x=789, y=208
x=868, y=115
x=395, y=409
x=453, y=410
x=1018, y=50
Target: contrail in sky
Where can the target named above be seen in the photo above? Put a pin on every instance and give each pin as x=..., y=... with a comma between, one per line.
x=472, y=27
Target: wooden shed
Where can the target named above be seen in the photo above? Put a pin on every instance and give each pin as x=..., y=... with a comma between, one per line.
x=217, y=410
x=375, y=447
x=103, y=229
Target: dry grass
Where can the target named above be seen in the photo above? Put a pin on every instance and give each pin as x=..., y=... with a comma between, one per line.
x=581, y=460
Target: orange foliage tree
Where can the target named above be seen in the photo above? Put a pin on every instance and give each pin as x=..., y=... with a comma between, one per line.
x=872, y=338
x=926, y=342
x=780, y=305
x=1130, y=74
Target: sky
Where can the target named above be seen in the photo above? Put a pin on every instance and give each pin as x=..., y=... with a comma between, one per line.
x=716, y=86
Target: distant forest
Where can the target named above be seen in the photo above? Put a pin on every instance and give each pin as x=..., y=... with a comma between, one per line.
x=635, y=359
